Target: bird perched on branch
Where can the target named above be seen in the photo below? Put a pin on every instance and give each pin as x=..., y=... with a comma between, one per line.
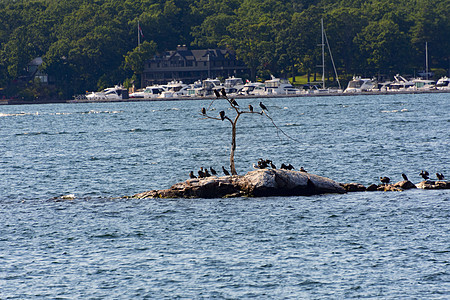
x=222, y=115
x=250, y=107
x=262, y=106
x=216, y=92
x=225, y=171
x=223, y=92
x=203, y=111
x=385, y=180
x=425, y=175
x=440, y=176
x=234, y=102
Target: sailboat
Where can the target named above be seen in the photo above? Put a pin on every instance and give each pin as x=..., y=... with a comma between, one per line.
x=325, y=90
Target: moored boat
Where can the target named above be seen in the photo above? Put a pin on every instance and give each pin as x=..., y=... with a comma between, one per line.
x=117, y=92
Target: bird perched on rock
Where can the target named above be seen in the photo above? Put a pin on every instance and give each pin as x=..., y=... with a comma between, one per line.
x=222, y=115
x=301, y=169
x=385, y=180
x=213, y=171
x=283, y=166
x=234, y=102
x=225, y=171
x=207, y=173
x=425, y=175
x=272, y=165
x=201, y=174
x=203, y=111
x=224, y=93
x=191, y=175
x=262, y=106
x=250, y=107
x=404, y=177
x=440, y=176
x=262, y=164
x=216, y=92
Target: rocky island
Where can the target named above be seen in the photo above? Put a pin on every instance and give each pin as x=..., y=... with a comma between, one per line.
x=275, y=182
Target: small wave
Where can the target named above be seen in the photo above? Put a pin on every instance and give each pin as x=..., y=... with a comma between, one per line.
x=101, y=112
x=33, y=133
x=293, y=124
x=136, y=130
x=394, y=110
x=19, y=114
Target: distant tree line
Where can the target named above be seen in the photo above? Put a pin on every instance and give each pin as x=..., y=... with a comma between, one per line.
x=90, y=44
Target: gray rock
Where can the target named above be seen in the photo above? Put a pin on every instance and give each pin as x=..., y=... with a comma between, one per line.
x=405, y=185
x=353, y=187
x=258, y=183
x=433, y=185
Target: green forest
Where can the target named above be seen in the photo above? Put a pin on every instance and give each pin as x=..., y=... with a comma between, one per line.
x=88, y=45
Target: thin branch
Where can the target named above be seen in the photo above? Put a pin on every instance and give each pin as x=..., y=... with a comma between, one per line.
x=284, y=133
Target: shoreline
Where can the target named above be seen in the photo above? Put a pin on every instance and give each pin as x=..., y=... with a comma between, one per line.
x=25, y=102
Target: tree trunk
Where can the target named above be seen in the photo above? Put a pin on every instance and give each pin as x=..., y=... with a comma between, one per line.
x=233, y=145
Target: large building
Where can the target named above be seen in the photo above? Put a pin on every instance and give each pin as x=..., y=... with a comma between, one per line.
x=191, y=65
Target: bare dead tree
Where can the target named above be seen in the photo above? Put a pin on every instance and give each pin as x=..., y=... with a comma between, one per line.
x=235, y=106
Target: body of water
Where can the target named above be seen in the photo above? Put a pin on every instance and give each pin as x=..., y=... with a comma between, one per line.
x=94, y=244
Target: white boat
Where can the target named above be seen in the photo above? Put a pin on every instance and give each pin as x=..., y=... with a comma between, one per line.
x=253, y=88
x=358, y=85
x=400, y=83
x=117, y=92
x=205, y=87
x=423, y=84
x=279, y=86
x=233, y=85
x=149, y=92
x=174, y=89
x=443, y=83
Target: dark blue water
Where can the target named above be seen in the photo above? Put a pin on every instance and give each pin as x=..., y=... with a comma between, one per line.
x=97, y=245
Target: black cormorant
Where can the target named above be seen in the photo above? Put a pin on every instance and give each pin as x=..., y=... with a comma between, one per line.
x=223, y=92
x=234, y=102
x=262, y=106
x=385, y=180
x=213, y=171
x=301, y=169
x=207, y=173
x=201, y=174
x=191, y=175
x=222, y=115
x=440, y=176
x=250, y=107
x=225, y=171
x=203, y=111
x=424, y=174
x=216, y=92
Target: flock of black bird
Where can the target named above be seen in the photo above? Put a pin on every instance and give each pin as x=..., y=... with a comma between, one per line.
x=261, y=164
x=203, y=173
x=233, y=102
x=424, y=174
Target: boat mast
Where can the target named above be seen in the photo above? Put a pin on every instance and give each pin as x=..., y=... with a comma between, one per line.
x=323, y=56
x=426, y=59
